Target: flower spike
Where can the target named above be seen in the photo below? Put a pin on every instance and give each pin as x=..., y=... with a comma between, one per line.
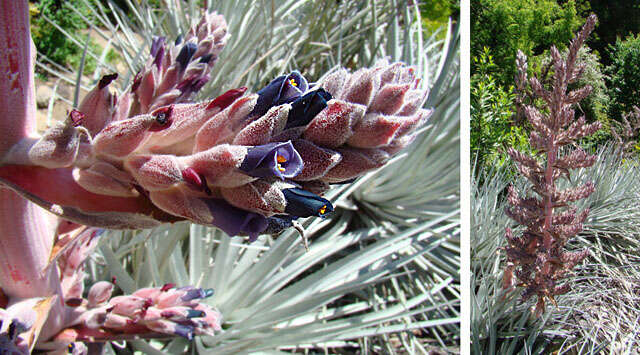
x=246, y=164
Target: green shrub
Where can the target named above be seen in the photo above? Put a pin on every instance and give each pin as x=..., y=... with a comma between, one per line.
x=529, y=25
x=624, y=77
x=53, y=43
x=436, y=13
x=492, y=110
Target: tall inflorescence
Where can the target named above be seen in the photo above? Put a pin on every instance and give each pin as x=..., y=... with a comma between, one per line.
x=537, y=259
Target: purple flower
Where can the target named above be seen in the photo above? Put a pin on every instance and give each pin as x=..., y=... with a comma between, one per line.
x=278, y=159
x=192, y=84
x=301, y=203
x=235, y=221
x=305, y=108
x=283, y=89
x=157, y=50
x=196, y=293
x=187, y=51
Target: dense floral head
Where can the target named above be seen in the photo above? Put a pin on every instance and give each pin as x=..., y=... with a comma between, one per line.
x=148, y=312
x=247, y=163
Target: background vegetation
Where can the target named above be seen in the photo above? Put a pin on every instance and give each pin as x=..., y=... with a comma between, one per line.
x=501, y=27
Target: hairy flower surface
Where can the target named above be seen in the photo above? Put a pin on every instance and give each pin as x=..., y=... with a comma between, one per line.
x=162, y=310
x=536, y=258
x=236, y=161
x=246, y=163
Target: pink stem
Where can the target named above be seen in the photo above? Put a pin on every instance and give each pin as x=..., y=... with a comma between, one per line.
x=26, y=230
x=17, y=89
x=550, y=188
x=26, y=240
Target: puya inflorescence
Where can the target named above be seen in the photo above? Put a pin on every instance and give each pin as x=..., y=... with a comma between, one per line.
x=248, y=164
x=536, y=259
x=245, y=163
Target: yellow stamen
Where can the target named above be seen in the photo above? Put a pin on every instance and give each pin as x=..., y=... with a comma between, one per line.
x=281, y=159
x=293, y=82
x=323, y=209
x=281, y=168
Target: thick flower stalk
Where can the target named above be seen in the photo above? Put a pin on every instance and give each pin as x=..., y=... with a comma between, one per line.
x=537, y=257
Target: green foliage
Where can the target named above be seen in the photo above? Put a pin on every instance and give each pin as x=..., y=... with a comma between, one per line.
x=492, y=113
x=436, y=13
x=52, y=42
x=616, y=19
x=505, y=26
x=624, y=77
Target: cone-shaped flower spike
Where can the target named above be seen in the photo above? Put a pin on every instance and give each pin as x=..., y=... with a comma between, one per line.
x=231, y=162
x=149, y=156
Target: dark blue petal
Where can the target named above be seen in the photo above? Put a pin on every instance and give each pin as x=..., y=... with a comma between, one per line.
x=206, y=58
x=267, y=96
x=304, y=109
x=262, y=161
x=235, y=221
x=281, y=90
x=187, y=51
x=178, y=40
x=192, y=313
x=301, y=203
x=184, y=331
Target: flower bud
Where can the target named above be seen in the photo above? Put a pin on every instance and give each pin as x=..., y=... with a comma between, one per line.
x=57, y=148
x=223, y=126
x=374, y=130
x=105, y=179
x=261, y=131
x=354, y=163
x=301, y=203
x=389, y=99
x=99, y=293
x=98, y=105
x=259, y=196
x=333, y=126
